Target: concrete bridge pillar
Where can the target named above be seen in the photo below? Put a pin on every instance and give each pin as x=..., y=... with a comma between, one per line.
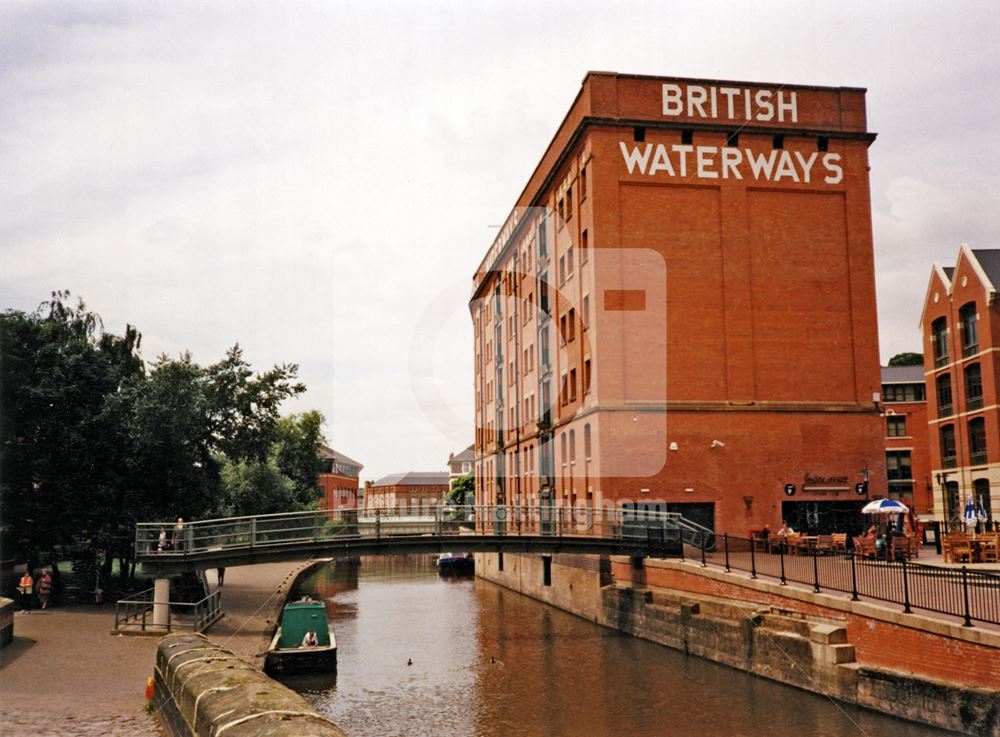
x=161, y=602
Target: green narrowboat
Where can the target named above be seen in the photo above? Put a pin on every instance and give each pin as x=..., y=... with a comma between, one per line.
x=290, y=651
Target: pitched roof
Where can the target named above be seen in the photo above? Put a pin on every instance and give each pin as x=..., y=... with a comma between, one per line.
x=902, y=374
x=414, y=478
x=469, y=454
x=329, y=454
x=989, y=259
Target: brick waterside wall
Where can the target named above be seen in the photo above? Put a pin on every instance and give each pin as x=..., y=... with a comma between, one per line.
x=202, y=690
x=928, y=670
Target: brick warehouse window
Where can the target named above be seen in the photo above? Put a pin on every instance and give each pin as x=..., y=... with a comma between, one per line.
x=939, y=341
x=969, y=319
x=733, y=139
x=896, y=426
x=973, y=386
x=822, y=143
x=569, y=261
x=639, y=134
x=687, y=137
x=572, y=385
x=943, y=386
x=583, y=183
x=903, y=393
x=584, y=247
x=898, y=465
x=586, y=376
x=947, y=438
x=977, y=441
x=569, y=203
x=778, y=141
x=542, y=238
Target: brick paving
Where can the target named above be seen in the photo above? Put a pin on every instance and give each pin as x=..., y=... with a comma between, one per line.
x=65, y=675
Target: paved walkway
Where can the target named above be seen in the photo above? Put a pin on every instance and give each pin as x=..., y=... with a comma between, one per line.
x=65, y=675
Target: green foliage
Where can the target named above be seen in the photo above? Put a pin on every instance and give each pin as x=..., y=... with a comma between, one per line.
x=91, y=442
x=907, y=359
x=296, y=454
x=463, y=490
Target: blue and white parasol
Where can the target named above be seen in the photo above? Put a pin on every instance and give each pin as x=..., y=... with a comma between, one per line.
x=885, y=506
x=981, y=511
x=970, y=513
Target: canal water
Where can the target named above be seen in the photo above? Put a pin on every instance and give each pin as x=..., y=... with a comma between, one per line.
x=488, y=662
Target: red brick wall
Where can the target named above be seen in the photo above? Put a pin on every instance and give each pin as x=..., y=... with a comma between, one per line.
x=877, y=643
x=768, y=337
x=339, y=492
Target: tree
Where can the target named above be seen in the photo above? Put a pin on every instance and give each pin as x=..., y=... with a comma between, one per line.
x=244, y=408
x=907, y=359
x=91, y=443
x=296, y=454
x=463, y=490
x=56, y=462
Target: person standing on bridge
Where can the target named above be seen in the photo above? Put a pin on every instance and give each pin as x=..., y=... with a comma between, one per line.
x=178, y=540
x=220, y=572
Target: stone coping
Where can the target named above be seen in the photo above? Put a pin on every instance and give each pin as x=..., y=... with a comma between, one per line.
x=934, y=625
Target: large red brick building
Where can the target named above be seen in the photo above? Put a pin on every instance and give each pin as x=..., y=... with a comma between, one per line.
x=680, y=309
x=338, y=479
x=907, y=456
x=961, y=327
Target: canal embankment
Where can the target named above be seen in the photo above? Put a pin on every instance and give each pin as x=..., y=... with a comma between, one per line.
x=62, y=673
x=203, y=690
x=912, y=666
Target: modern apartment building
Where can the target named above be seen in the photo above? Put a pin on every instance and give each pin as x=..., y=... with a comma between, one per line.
x=679, y=311
x=338, y=478
x=961, y=327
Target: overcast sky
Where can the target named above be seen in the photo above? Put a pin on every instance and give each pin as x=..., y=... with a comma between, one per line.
x=318, y=181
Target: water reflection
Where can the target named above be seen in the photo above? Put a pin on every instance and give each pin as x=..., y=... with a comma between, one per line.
x=492, y=663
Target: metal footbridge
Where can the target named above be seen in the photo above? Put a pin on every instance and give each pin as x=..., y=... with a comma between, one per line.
x=163, y=548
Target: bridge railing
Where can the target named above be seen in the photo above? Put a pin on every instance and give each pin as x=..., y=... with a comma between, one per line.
x=154, y=539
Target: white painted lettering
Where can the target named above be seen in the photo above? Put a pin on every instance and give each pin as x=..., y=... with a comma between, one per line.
x=696, y=99
x=766, y=108
x=731, y=159
x=634, y=158
x=704, y=154
x=683, y=150
x=672, y=103
x=729, y=93
x=715, y=109
x=786, y=167
x=661, y=162
x=789, y=107
x=762, y=164
x=831, y=162
x=807, y=164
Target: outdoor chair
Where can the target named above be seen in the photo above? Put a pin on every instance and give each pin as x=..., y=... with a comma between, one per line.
x=824, y=544
x=988, y=549
x=839, y=542
x=794, y=542
x=961, y=549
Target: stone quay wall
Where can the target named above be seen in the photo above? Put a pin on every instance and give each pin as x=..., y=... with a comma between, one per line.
x=928, y=670
x=203, y=690
x=6, y=621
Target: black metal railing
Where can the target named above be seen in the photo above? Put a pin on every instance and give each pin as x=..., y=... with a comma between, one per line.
x=973, y=596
